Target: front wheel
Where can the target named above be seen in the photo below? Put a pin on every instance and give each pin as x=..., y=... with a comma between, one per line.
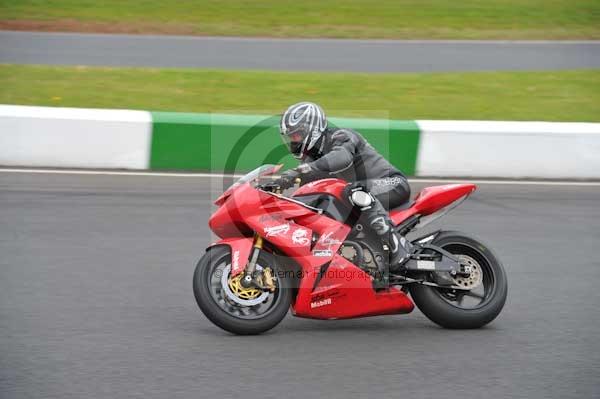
x=231, y=306
x=484, y=293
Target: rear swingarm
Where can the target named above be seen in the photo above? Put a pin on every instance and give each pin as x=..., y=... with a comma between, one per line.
x=403, y=280
x=431, y=258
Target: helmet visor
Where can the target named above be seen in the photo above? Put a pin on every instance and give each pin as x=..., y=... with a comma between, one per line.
x=294, y=142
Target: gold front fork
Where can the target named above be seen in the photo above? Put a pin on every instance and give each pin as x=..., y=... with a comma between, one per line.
x=266, y=280
x=249, y=272
x=258, y=241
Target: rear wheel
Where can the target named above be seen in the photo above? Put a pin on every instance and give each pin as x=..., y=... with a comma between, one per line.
x=233, y=307
x=485, y=289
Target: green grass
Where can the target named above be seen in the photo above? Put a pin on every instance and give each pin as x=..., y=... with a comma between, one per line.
x=553, y=96
x=461, y=19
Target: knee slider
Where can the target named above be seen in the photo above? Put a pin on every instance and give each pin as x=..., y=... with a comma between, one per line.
x=362, y=199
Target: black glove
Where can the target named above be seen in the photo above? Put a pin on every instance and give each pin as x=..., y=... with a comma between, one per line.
x=303, y=168
x=287, y=178
x=271, y=186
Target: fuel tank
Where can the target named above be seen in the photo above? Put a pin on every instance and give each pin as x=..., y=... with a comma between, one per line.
x=333, y=187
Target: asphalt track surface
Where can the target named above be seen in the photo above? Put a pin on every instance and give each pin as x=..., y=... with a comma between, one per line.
x=96, y=302
x=294, y=54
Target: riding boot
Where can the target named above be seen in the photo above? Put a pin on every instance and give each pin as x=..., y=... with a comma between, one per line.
x=398, y=246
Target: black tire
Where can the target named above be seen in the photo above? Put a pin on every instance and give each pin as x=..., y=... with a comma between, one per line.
x=431, y=300
x=229, y=322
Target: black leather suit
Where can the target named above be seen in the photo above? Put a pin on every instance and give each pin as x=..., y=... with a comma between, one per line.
x=345, y=154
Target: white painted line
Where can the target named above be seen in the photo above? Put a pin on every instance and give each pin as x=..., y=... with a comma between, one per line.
x=221, y=175
x=114, y=173
x=510, y=182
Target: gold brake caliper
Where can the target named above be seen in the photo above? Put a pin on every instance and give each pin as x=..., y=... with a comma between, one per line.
x=268, y=280
x=235, y=285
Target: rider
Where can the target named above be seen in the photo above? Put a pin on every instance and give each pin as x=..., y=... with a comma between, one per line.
x=343, y=153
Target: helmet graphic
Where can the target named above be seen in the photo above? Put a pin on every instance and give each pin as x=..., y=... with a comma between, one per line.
x=302, y=125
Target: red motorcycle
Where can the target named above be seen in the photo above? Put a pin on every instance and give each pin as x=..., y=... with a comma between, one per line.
x=312, y=253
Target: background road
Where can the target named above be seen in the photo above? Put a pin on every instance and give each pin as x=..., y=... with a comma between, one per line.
x=96, y=302
x=293, y=55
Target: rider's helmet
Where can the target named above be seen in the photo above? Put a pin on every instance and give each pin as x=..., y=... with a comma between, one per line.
x=301, y=127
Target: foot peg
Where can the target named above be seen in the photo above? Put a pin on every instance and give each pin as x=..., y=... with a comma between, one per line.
x=381, y=282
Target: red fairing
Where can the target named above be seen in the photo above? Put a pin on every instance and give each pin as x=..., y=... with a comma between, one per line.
x=287, y=225
x=342, y=291
x=331, y=287
x=432, y=199
x=333, y=187
x=245, y=204
x=240, y=252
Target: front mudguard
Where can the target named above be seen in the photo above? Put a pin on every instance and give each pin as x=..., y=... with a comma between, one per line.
x=240, y=249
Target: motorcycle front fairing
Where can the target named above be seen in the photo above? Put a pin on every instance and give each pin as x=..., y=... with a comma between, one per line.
x=288, y=225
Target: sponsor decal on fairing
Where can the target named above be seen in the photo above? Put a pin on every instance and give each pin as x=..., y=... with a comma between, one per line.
x=277, y=230
x=325, y=253
x=300, y=237
x=320, y=303
x=326, y=240
x=236, y=259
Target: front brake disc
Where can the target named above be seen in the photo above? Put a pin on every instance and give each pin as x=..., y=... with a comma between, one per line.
x=237, y=293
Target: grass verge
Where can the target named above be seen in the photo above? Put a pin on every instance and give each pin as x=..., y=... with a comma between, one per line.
x=401, y=19
x=551, y=96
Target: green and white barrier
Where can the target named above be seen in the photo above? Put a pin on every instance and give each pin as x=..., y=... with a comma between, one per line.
x=509, y=149
x=230, y=143
x=74, y=137
x=123, y=139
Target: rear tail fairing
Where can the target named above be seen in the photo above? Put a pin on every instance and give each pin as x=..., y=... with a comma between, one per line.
x=433, y=199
